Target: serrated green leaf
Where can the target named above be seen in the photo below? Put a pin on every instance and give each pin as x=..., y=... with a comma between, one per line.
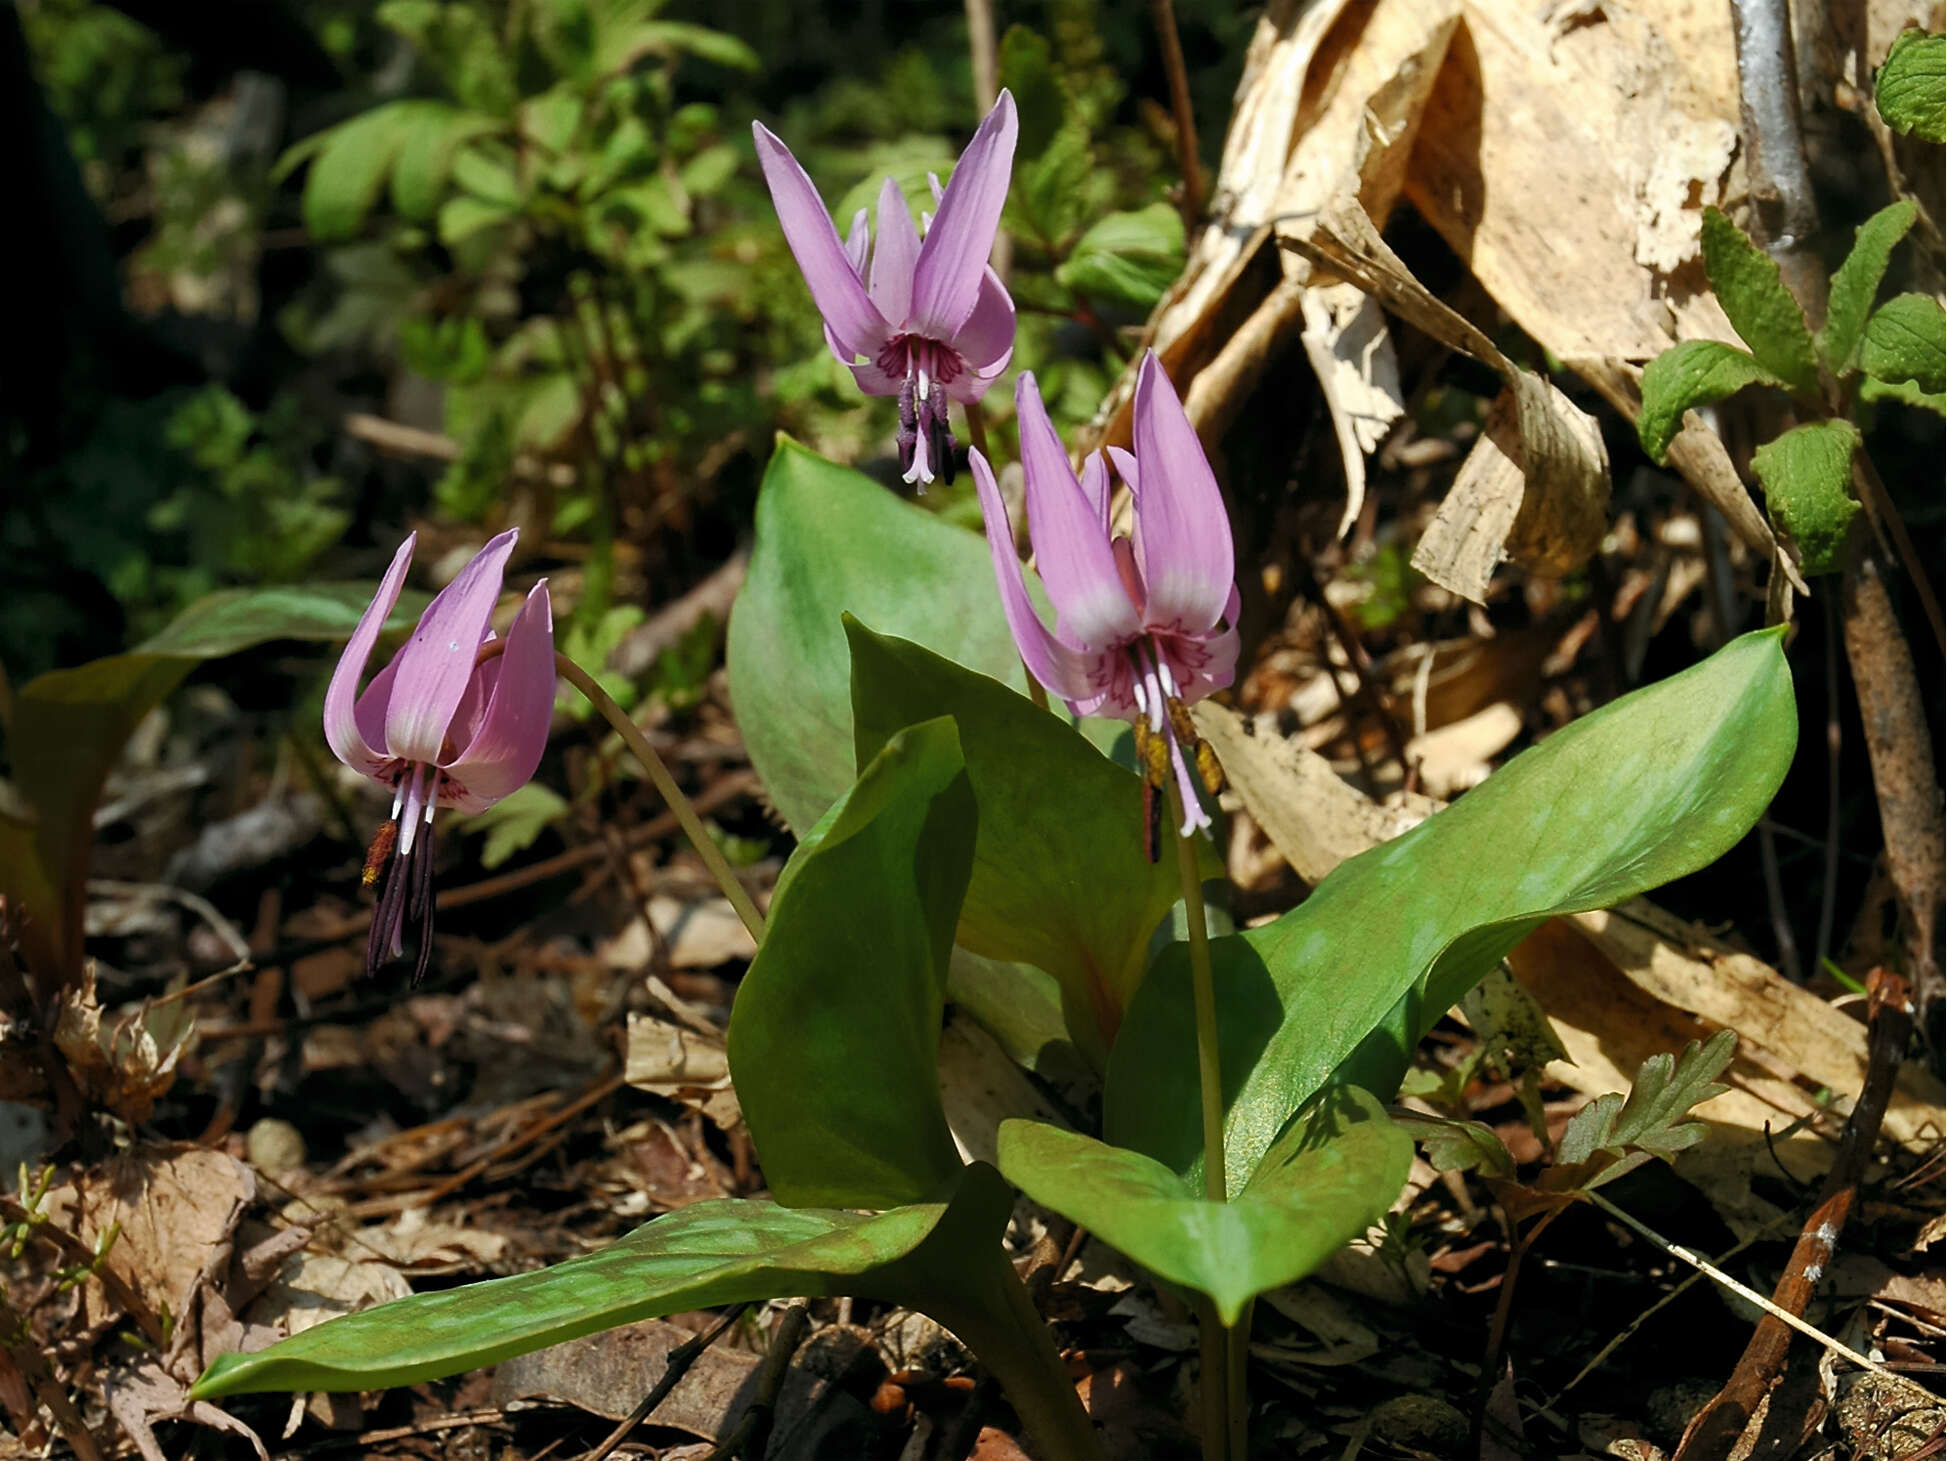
x=425, y=160
x=1649, y=1118
x=1311, y=1197
x=1052, y=189
x=1807, y=476
x=1694, y=373
x=1061, y=879
x=1761, y=309
x=488, y=176
x=1856, y=283
x=1131, y=258
x=462, y=217
x=1650, y=787
x=834, y=1039
x=514, y=822
x=1457, y=1146
x=1906, y=392
x=1906, y=339
x=350, y=165
x=1911, y=90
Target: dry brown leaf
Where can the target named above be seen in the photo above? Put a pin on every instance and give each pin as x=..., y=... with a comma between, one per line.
x=415, y=1240
x=1311, y=816
x=699, y=935
x=145, y=1393
x=1685, y=967
x=125, y=1065
x=175, y=1205
x=682, y=1064
x=981, y=1086
x=1459, y=755
x=606, y=1374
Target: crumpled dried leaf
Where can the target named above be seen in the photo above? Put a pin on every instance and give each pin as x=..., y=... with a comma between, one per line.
x=1535, y=487
x=698, y=935
x=125, y=1066
x=141, y=1394
x=176, y=1206
x=682, y=1064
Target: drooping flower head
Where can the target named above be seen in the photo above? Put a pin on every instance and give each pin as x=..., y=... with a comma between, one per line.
x=934, y=322
x=438, y=727
x=1144, y=625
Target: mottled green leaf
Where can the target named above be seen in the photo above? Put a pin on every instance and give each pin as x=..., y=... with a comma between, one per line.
x=1694, y=373
x=1856, y=283
x=1906, y=339
x=1911, y=88
x=1760, y=307
x=1131, y=258
x=1312, y=1195
x=1647, y=788
x=1807, y=476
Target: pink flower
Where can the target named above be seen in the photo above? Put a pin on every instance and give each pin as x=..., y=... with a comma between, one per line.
x=1144, y=626
x=438, y=727
x=934, y=322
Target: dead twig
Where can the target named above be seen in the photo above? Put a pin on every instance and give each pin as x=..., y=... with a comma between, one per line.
x=1900, y=749
x=1720, y=1423
x=1784, y=213
x=1163, y=12
x=751, y=1436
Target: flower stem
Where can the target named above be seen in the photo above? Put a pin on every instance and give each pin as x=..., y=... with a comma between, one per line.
x=1209, y=1075
x=679, y=804
x=977, y=428
x=1222, y=1392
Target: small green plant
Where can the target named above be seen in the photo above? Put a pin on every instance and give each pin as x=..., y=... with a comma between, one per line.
x=1893, y=351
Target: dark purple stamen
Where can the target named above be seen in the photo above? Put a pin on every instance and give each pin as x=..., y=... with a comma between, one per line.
x=406, y=897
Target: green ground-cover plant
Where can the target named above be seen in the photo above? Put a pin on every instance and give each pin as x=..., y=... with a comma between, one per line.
x=1867, y=352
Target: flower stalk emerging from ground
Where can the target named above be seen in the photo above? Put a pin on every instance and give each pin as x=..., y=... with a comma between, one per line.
x=438, y=727
x=1145, y=626
x=933, y=322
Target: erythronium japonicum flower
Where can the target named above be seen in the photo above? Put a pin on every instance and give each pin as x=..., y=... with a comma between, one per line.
x=438, y=727
x=1145, y=625
x=931, y=319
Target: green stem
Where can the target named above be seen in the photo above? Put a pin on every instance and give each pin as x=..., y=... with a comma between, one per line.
x=1237, y=1396
x=1210, y=1084
x=1222, y=1392
x=700, y=838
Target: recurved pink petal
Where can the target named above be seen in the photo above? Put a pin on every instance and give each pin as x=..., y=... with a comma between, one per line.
x=953, y=259
x=988, y=334
x=1125, y=468
x=971, y=385
x=512, y=731
x=1095, y=487
x=858, y=243
x=893, y=256
x=348, y=742
x=1070, y=547
x=834, y=283
x=432, y=671
x=1182, y=530
x=1060, y=668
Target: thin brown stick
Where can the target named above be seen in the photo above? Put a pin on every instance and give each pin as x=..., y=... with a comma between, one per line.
x=1718, y=1425
x=752, y=1435
x=1899, y=747
x=1163, y=12
x=1784, y=213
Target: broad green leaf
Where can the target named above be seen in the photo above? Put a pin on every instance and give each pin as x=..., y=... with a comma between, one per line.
x=488, y=176
x=1319, y=1190
x=721, y=1252
x=1648, y=788
x=830, y=542
x=1807, y=476
x=834, y=1040
x=351, y=163
x=1760, y=307
x=622, y=48
x=1061, y=879
x=1692, y=374
x=1128, y=257
x=1052, y=190
x=1856, y=283
x=551, y=120
x=69, y=727
x=462, y=217
x=1905, y=340
x=1911, y=89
